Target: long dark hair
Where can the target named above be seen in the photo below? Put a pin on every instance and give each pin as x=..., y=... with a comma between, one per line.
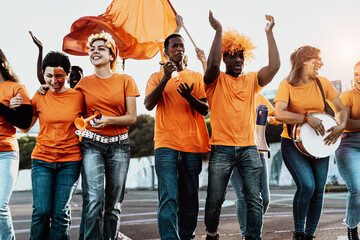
x=297, y=60
x=6, y=70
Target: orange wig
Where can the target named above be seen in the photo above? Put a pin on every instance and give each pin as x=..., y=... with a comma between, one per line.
x=232, y=42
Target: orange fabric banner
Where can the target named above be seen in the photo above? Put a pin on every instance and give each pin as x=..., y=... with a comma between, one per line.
x=137, y=26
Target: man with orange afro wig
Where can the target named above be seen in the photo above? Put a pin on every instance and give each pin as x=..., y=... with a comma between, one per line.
x=231, y=96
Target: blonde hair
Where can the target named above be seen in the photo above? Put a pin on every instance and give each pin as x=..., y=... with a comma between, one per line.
x=109, y=43
x=232, y=42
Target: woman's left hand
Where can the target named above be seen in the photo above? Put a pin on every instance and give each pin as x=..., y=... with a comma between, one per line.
x=100, y=123
x=335, y=133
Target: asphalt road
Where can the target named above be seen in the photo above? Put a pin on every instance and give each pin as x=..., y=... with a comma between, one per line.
x=138, y=221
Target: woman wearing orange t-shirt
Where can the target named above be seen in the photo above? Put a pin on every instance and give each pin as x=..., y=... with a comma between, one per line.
x=105, y=144
x=348, y=153
x=10, y=118
x=56, y=158
x=298, y=95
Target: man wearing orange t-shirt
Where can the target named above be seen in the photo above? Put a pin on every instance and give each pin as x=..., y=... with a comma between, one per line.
x=231, y=97
x=236, y=179
x=180, y=139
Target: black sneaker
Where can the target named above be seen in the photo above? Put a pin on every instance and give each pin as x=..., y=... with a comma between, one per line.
x=298, y=236
x=216, y=237
x=353, y=234
x=309, y=237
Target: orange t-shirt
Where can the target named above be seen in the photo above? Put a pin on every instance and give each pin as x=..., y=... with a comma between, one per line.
x=304, y=97
x=107, y=96
x=57, y=141
x=351, y=100
x=232, y=104
x=177, y=125
x=8, y=90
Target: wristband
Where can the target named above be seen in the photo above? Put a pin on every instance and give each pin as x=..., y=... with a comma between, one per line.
x=161, y=63
x=305, y=119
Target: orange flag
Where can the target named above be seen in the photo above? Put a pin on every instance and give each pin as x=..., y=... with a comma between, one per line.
x=137, y=26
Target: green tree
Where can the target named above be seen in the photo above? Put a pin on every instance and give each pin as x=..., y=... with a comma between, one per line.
x=141, y=136
x=26, y=146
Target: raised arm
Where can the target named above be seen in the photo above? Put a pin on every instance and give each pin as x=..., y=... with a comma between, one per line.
x=39, y=62
x=152, y=99
x=267, y=73
x=214, y=59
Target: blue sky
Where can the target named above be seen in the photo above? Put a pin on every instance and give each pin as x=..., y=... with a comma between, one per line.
x=332, y=26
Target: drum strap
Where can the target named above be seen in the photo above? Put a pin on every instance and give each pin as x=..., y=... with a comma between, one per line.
x=328, y=109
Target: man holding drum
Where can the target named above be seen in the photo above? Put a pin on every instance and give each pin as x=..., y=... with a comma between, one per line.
x=298, y=96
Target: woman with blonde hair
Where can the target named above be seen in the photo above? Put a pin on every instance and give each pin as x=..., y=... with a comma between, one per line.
x=302, y=93
x=105, y=143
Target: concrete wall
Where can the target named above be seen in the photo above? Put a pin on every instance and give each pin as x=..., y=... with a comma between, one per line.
x=142, y=173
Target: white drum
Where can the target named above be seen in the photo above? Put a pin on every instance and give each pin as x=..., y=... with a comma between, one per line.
x=310, y=144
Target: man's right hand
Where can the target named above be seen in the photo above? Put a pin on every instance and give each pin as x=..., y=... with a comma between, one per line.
x=213, y=22
x=169, y=67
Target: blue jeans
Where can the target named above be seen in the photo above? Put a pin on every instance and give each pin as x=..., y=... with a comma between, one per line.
x=237, y=183
x=53, y=186
x=348, y=161
x=310, y=176
x=103, y=163
x=9, y=165
x=178, y=187
x=223, y=159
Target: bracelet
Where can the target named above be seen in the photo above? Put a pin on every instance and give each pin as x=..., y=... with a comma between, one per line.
x=161, y=63
x=305, y=119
